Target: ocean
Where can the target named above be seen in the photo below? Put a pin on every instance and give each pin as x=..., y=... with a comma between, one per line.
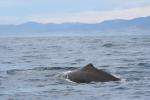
x=32, y=68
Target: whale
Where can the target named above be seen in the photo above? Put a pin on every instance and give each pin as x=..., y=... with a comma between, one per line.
x=88, y=74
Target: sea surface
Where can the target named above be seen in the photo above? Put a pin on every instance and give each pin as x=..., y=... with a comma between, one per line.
x=32, y=68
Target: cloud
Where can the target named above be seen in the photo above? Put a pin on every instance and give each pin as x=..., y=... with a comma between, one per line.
x=92, y=16
x=9, y=20
x=20, y=11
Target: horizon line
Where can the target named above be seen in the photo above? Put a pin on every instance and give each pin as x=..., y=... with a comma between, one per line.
x=69, y=22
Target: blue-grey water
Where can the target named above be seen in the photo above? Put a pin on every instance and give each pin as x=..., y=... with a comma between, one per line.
x=32, y=68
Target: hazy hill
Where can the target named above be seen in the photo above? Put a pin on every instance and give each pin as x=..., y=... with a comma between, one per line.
x=118, y=26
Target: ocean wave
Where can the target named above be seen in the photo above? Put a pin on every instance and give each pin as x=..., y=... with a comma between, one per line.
x=108, y=45
x=54, y=68
x=14, y=71
x=144, y=64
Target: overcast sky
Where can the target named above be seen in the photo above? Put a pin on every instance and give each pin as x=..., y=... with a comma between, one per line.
x=59, y=11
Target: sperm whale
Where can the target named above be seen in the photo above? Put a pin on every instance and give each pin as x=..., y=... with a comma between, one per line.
x=88, y=74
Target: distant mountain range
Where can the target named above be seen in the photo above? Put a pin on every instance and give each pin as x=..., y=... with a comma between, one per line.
x=118, y=26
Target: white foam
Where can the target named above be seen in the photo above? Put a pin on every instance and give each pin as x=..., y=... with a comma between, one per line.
x=123, y=80
x=66, y=78
x=67, y=72
x=69, y=80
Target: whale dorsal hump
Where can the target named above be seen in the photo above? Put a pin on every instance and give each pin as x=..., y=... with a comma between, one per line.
x=88, y=67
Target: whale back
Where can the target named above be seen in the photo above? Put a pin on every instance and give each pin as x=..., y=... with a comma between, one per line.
x=88, y=67
x=89, y=73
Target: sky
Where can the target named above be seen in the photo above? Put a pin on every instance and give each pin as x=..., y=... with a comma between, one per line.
x=62, y=11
